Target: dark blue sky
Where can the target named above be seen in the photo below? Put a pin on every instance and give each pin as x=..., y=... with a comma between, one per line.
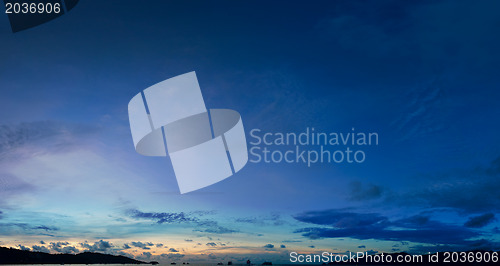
x=422, y=74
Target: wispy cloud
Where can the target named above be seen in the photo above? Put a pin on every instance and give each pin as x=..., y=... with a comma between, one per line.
x=262, y=220
x=162, y=217
x=20, y=141
x=192, y=219
x=12, y=228
x=426, y=111
x=480, y=221
x=447, y=189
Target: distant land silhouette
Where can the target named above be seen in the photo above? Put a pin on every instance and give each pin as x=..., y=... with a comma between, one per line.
x=16, y=256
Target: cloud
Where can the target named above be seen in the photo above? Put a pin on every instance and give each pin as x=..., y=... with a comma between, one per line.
x=201, y=225
x=142, y=245
x=70, y=250
x=11, y=186
x=46, y=228
x=40, y=249
x=57, y=246
x=23, y=247
x=211, y=244
x=28, y=143
x=264, y=220
x=341, y=219
x=100, y=245
x=362, y=226
x=282, y=246
x=361, y=246
x=25, y=140
x=162, y=217
x=480, y=221
x=425, y=112
x=126, y=246
x=173, y=250
x=213, y=227
x=268, y=246
x=24, y=228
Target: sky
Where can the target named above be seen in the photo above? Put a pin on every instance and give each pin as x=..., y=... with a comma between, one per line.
x=422, y=75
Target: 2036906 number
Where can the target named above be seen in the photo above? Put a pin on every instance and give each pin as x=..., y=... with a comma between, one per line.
x=471, y=257
x=32, y=8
